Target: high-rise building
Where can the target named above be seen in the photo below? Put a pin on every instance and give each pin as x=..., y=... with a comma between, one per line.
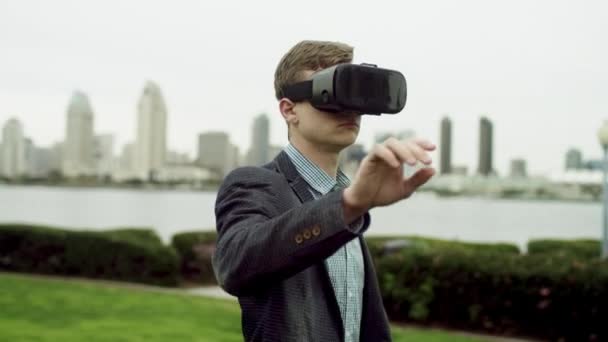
x=485, y=147
x=151, y=143
x=126, y=161
x=13, y=150
x=273, y=151
x=177, y=158
x=39, y=161
x=235, y=158
x=518, y=168
x=259, y=152
x=594, y=165
x=56, y=157
x=104, y=155
x=574, y=159
x=78, y=149
x=445, y=149
x=216, y=153
x=30, y=157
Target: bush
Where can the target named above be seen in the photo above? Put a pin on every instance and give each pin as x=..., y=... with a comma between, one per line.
x=377, y=245
x=115, y=255
x=584, y=249
x=195, y=250
x=551, y=297
x=136, y=235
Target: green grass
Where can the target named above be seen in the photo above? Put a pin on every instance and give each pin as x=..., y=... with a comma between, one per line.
x=36, y=309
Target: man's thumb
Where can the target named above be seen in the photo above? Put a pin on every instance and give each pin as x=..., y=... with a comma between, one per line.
x=419, y=178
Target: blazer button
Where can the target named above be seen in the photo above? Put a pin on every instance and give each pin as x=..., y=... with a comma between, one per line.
x=306, y=234
x=316, y=231
x=299, y=239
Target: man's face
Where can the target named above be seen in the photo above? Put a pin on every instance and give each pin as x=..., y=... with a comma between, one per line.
x=333, y=131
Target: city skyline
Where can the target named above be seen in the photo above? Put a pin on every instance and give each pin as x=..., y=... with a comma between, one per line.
x=79, y=105
x=216, y=155
x=522, y=77
x=81, y=97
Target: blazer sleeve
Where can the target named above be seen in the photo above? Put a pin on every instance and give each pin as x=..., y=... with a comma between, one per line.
x=259, y=243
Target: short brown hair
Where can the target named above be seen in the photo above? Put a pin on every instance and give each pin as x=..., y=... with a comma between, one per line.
x=309, y=55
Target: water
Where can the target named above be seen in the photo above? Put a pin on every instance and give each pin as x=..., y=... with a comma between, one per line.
x=169, y=212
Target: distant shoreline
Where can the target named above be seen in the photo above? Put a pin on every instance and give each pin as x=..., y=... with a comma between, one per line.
x=142, y=187
x=215, y=187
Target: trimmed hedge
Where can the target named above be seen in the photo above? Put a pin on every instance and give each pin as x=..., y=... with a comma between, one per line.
x=196, y=249
x=585, y=249
x=136, y=235
x=128, y=255
x=551, y=297
x=377, y=244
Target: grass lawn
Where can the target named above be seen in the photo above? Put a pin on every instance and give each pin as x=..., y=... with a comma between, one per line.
x=34, y=309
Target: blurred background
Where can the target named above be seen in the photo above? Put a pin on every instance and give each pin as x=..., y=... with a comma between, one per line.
x=130, y=113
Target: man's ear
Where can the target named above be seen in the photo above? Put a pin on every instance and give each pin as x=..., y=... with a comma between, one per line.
x=287, y=108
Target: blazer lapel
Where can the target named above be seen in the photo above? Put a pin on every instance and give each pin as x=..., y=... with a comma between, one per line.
x=295, y=180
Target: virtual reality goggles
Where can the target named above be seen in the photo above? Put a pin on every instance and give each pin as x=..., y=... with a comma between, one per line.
x=363, y=89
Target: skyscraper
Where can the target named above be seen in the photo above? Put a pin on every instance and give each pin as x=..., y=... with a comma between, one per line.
x=104, y=155
x=78, y=153
x=485, y=147
x=56, y=157
x=13, y=150
x=445, y=162
x=39, y=161
x=215, y=152
x=518, y=168
x=574, y=159
x=30, y=157
x=235, y=155
x=259, y=152
x=126, y=160
x=151, y=142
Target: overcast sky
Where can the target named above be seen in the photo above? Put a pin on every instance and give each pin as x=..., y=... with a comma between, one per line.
x=537, y=69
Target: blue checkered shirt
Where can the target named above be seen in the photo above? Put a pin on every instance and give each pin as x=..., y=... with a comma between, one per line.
x=345, y=266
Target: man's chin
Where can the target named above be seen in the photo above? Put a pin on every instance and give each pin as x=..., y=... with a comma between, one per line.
x=344, y=142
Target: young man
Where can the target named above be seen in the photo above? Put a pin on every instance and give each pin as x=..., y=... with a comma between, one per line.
x=290, y=233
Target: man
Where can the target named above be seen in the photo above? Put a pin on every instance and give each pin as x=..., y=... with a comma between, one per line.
x=290, y=233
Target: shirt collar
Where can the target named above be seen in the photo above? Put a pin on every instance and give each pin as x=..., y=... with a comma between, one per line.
x=316, y=178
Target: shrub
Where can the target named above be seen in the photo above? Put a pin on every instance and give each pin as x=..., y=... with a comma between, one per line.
x=195, y=250
x=377, y=245
x=136, y=235
x=551, y=297
x=106, y=255
x=584, y=249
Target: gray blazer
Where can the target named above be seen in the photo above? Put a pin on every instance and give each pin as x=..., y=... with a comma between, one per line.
x=272, y=241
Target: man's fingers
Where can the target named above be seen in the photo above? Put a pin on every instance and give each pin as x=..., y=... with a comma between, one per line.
x=401, y=151
x=383, y=153
x=419, y=152
x=409, y=151
x=425, y=144
x=417, y=179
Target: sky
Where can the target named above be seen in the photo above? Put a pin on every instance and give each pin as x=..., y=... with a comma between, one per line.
x=537, y=69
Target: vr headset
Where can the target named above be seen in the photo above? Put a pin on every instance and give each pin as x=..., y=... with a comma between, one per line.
x=363, y=89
